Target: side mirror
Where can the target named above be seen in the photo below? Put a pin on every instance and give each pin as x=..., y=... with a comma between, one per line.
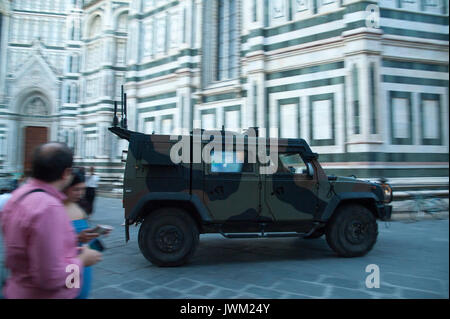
x=124, y=156
x=310, y=169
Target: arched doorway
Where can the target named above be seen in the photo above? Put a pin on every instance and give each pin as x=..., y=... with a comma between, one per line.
x=34, y=134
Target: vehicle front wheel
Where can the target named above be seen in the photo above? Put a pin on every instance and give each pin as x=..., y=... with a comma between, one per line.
x=168, y=237
x=352, y=231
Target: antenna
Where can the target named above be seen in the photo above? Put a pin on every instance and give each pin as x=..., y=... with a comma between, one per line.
x=115, y=119
x=121, y=103
x=125, y=126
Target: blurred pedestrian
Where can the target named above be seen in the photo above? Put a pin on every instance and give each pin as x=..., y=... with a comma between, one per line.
x=41, y=247
x=3, y=199
x=91, y=186
x=75, y=192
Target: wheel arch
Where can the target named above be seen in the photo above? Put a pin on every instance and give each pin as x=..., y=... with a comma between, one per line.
x=367, y=200
x=153, y=201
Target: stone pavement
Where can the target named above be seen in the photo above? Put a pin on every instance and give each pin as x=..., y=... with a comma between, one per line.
x=413, y=259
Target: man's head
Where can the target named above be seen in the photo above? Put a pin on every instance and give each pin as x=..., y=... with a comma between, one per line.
x=52, y=162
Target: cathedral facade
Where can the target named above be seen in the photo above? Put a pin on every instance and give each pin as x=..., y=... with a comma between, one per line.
x=364, y=82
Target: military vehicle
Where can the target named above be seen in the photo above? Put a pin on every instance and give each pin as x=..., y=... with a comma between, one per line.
x=175, y=202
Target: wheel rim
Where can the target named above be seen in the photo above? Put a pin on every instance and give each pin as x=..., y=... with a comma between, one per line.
x=169, y=239
x=357, y=231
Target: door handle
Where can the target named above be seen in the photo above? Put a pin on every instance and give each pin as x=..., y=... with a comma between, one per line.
x=279, y=190
x=218, y=190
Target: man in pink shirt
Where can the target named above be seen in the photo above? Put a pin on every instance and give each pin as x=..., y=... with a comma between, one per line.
x=40, y=242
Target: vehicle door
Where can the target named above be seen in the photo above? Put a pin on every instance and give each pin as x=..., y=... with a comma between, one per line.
x=232, y=188
x=291, y=192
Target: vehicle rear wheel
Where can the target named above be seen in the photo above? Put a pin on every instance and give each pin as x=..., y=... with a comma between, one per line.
x=168, y=237
x=352, y=231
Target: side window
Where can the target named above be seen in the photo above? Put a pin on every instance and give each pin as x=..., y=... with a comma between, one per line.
x=230, y=162
x=291, y=163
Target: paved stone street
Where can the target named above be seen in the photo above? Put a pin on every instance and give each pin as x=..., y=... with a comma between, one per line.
x=413, y=258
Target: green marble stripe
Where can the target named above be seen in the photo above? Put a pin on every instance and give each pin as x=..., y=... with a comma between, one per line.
x=293, y=26
x=414, y=81
x=150, y=76
x=40, y=12
x=53, y=47
x=306, y=85
x=302, y=40
x=97, y=103
x=106, y=67
x=20, y=45
x=103, y=109
x=32, y=116
x=413, y=16
x=414, y=33
x=307, y=70
x=155, y=11
x=358, y=6
x=157, y=108
x=414, y=66
x=157, y=97
x=162, y=61
x=162, y=73
x=219, y=97
x=355, y=7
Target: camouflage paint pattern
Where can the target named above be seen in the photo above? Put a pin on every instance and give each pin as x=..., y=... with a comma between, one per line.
x=236, y=197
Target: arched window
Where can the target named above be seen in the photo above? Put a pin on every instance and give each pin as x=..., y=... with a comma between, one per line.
x=69, y=64
x=122, y=22
x=96, y=27
x=74, y=63
x=73, y=93
x=67, y=93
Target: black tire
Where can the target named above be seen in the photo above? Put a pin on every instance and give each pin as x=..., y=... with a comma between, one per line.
x=168, y=237
x=352, y=231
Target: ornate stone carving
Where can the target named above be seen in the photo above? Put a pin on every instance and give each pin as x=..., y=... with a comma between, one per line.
x=36, y=106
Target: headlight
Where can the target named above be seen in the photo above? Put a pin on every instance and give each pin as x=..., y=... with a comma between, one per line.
x=387, y=192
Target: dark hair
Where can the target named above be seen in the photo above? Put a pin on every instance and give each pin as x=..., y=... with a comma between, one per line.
x=50, y=160
x=78, y=176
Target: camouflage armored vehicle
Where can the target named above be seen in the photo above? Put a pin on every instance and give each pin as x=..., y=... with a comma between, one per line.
x=177, y=196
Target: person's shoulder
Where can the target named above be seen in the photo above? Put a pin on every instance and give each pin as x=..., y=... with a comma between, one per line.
x=75, y=211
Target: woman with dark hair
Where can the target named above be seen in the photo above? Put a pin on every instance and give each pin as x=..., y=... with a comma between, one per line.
x=74, y=192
